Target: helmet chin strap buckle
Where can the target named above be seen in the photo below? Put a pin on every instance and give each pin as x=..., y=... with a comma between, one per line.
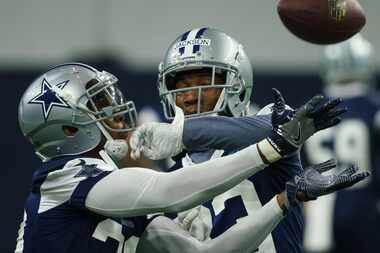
x=116, y=150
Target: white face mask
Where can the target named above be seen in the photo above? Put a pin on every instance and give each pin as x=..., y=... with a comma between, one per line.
x=116, y=149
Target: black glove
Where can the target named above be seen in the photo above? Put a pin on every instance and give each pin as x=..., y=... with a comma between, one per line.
x=292, y=128
x=311, y=184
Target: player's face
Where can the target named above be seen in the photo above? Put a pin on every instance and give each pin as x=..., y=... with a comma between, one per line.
x=188, y=100
x=117, y=122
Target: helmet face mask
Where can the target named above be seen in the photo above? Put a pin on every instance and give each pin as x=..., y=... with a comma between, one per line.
x=87, y=104
x=210, y=49
x=105, y=102
x=231, y=85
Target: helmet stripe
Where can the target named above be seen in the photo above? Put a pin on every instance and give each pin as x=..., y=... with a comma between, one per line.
x=197, y=36
x=184, y=37
x=189, y=42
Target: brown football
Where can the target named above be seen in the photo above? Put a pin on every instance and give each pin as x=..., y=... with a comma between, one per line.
x=322, y=21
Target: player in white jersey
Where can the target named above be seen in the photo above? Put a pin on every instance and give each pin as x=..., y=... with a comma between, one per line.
x=207, y=72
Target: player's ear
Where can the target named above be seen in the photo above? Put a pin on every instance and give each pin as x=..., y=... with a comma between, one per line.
x=69, y=130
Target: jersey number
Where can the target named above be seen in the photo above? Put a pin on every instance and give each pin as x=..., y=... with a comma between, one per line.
x=111, y=229
x=243, y=197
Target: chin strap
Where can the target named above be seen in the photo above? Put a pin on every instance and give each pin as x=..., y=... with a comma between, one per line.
x=220, y=101
x=103, y=154
x=115, y=149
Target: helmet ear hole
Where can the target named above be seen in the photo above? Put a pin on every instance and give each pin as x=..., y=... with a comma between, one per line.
x=69, y=131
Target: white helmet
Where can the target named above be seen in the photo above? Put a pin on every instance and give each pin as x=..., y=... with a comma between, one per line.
x=68, y=96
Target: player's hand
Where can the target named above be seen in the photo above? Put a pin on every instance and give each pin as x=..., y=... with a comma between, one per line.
x=313, y=184
x=158, y=140
x=292, y=129
x=193, y=221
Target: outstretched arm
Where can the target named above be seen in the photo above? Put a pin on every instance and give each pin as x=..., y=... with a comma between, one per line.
x=163, y=235
x=138, y=191
x=160, y=140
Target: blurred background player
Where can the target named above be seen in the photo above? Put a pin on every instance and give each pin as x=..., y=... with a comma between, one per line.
x=348, y=71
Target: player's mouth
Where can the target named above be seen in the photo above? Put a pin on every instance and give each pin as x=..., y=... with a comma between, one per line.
x=190, y=108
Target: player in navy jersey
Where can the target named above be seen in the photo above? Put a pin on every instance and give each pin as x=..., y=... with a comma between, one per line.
x=79, y=122
x=348, y=71
x=206, y=72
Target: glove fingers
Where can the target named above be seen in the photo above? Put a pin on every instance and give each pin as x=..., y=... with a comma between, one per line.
x=179, y=117
x=327, y=124
x=336, y=113
x=279, y=101
x=325, y=166
x=136, y=142
x=150, y=154
x=312, y=103
x=278, y=107
x=359, y=177
x=328, y=106
x=135, y=154
x=347, y=181
x=349, y=171
x=136, y=139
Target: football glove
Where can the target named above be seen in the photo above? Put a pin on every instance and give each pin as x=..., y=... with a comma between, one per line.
x=158, y=140
x=292, y=128
x=311, y=184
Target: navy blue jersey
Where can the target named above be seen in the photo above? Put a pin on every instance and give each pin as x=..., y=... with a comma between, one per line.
x=230, y=135
x=55, y=217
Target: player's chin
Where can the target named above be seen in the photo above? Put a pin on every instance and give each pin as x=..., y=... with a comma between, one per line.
x=188, y=110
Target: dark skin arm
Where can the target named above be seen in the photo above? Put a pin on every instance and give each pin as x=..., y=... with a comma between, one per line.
x=301, y=196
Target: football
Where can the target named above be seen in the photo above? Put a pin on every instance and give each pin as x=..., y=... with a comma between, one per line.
x=322, y=21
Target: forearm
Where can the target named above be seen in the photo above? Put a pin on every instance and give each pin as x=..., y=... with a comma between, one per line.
x=138, y=191
x=224, y=132
x=162, y=235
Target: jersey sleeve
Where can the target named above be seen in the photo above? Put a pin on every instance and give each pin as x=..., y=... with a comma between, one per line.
x=225, y=132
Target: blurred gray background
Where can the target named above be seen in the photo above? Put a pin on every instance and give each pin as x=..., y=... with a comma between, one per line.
x=43, y=32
